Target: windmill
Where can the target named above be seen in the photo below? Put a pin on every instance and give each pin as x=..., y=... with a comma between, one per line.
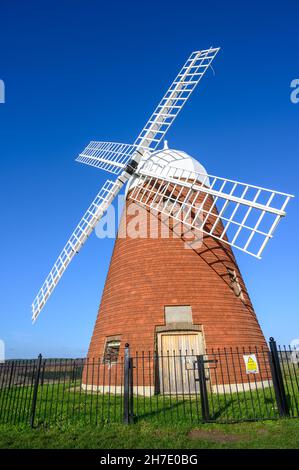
x=158, y=294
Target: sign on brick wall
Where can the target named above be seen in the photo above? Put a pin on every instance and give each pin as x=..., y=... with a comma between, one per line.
x=251, y=364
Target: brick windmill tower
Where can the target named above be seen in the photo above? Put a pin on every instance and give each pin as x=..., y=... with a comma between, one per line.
x=179, y=288
x=190, y=294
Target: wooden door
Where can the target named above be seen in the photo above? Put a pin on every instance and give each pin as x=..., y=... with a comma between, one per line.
x=177, y=370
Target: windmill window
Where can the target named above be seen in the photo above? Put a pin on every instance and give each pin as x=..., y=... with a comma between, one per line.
x=235, y=284
x=111, y=351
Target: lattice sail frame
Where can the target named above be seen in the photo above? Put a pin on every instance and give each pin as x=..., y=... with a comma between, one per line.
x=113, y=157
x=241, y=215
x=108, y=156
x=86, y=225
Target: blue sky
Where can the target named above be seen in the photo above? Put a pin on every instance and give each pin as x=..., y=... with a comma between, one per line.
x=77, y=70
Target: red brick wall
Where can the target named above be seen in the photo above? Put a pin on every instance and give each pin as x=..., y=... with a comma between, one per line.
x=147, y=274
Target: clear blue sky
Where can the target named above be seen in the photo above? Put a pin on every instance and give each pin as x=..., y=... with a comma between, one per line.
x=77, y=70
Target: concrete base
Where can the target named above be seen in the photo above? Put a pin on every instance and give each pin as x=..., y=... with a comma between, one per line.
x=241, y=387
x=149, y=391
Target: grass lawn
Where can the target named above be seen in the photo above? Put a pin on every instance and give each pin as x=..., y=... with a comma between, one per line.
x=283, y=434
x=69, y=417
x=60, y=404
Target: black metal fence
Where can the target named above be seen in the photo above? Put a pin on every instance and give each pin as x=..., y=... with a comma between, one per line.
x=224, y=385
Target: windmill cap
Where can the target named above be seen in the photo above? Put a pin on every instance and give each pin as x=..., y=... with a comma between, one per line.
x=177, y=159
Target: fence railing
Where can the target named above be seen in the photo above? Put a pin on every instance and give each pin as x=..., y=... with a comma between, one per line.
x=227, y=385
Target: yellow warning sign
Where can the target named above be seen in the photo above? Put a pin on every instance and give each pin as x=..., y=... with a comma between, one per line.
x=251, y=364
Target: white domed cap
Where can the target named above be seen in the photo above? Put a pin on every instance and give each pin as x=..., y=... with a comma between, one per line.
x=175, y=159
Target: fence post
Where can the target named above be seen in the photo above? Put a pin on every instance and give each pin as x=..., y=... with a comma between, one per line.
x=43, y=373
x=128, y=386
x=203, y=389
x=35, y=389
x=157, y=376
x=131, y=403
x=280, y=394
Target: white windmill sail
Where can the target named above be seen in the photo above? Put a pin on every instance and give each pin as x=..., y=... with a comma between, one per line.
x=123, y=159
x=79, y=236
x=241, y=215
x=113, y=157
x=175, y=98
x=108, y=156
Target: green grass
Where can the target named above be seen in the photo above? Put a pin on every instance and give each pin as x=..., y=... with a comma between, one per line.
x=282, y=434
x=69, y=404
x=67, y=417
